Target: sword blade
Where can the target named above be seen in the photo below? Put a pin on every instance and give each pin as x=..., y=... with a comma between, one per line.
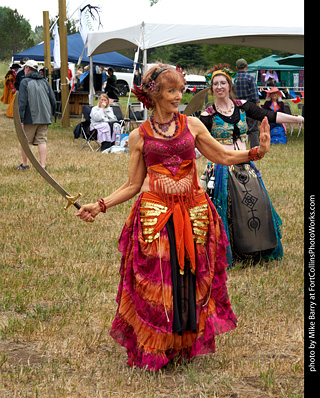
x=25, y=146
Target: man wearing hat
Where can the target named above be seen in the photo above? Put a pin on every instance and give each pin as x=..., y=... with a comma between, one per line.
x=246, y=89
x=37, y=105
x=20, y=73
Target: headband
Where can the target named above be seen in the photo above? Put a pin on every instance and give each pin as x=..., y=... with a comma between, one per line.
x=230, y=75
x=157, y=72
x=219, y=72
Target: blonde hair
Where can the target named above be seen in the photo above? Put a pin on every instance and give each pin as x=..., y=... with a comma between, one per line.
x=103, y=95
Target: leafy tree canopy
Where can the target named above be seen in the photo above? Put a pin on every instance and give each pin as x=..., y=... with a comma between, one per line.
x=200, y=58
x=15, y=33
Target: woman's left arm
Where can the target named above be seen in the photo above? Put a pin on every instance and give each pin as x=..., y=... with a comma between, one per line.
x=257, y=113
x=215, y=152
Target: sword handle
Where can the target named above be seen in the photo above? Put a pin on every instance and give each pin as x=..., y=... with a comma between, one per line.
x=72, y=200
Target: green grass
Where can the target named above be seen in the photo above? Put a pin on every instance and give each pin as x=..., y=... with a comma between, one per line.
x=59, y=280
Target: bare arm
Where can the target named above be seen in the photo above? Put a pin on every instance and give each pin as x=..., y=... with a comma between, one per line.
x=136, y=176
x=285, y=118
x=216, y=152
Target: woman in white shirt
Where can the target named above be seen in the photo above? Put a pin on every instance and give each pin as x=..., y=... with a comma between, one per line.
x=100, y=117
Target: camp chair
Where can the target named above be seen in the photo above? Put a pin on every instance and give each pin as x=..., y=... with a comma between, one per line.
x=135, y=115
x=89, y=136
x=116, y=107
x=301, y=113
x=288, y=111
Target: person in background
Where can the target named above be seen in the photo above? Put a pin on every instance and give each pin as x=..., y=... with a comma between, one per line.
x=37, y=105
x=273, y=102
x=246, y=89
x=9, y=89
x=238, y=192
x=100, y=118
x=111, y=88
x=104, y=78
x=272, y=74
x=172, y=297
x=20, y=74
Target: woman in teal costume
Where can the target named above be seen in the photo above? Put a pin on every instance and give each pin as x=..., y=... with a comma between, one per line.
x=238, y=192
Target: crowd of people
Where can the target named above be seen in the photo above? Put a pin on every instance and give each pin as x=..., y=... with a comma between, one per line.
x=182, y=232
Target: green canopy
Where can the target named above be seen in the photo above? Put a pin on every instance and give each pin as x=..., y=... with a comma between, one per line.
x=296, y=59
x=271, y=62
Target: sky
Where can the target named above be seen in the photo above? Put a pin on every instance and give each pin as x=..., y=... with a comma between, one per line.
x=33, y=12
x=128, y=11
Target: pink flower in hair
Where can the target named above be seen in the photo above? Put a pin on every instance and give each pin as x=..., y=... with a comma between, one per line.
x=152, y=85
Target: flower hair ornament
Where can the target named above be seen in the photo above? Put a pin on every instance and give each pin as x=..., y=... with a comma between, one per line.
x=225, y=71
x=142, y=92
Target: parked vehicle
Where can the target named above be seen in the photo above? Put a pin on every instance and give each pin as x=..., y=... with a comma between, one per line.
x=194, y=84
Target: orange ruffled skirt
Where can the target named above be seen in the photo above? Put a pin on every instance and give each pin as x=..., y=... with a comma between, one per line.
x=144, y=322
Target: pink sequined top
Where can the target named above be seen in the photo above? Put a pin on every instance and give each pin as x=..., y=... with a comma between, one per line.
x=171, y=162
x=170, y=152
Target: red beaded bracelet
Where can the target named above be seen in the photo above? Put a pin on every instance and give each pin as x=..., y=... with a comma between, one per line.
x=102, y=205
x=253, y=154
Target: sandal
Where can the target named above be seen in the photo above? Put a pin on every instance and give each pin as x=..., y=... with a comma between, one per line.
x=21, y=167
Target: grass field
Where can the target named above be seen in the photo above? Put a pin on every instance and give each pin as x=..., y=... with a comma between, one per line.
x=59, y=279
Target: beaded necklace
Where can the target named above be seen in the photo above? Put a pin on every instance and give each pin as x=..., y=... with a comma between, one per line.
x=165, y=126
x=224, y=112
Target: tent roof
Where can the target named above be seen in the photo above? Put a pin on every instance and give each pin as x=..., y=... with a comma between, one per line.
x=75, y=48
x=202, y=22
x=271, y=62
x=295, y=59
x=156, y=35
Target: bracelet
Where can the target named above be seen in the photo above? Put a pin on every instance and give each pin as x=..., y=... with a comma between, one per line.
x=253, y=154
x=102, y=205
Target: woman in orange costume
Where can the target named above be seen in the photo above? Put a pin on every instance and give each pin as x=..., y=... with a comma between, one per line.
x=9, y=89
x=172, y=298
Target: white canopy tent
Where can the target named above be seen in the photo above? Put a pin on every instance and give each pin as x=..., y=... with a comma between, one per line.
x=201, y=22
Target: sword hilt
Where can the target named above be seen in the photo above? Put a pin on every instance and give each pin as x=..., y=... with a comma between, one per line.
x=72, y=200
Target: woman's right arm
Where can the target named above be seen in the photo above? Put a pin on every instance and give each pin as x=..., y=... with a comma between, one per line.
x=136, y=176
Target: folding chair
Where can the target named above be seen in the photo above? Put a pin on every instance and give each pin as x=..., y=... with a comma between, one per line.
x=89, y=136
x=288, y=111
x=135, y=115
x=301, y=113
x=116, y=107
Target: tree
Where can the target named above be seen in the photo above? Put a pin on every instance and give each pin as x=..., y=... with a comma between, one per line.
x=15, y=33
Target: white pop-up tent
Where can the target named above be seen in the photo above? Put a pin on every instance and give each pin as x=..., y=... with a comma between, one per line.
x=202, y=22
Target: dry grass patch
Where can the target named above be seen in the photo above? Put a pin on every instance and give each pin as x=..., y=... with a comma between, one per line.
x=59, y=280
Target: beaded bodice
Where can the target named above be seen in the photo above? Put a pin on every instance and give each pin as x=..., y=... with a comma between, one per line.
x=170, y=162
x=225, y=131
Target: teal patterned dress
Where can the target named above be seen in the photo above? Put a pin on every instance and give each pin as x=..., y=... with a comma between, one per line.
x=238, y=193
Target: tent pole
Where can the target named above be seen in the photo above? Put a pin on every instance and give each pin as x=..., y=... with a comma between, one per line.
x=145, y=111
x=91, y=88
x=64, y=63
x=46, y=46
x=136, y=57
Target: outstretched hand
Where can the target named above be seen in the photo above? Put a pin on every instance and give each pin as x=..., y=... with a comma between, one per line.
x=264, y=137
x=88, y=212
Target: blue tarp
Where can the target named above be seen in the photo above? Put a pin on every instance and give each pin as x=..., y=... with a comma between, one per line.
x=75, y=48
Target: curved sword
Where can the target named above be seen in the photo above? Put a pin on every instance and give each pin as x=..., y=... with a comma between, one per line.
x=72, y=200
x=196, y=102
